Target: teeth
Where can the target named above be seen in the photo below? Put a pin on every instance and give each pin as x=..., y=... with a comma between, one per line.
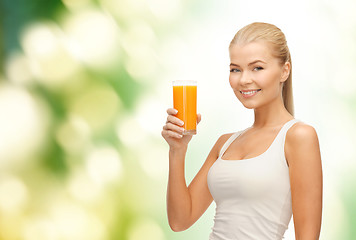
x=248, y=93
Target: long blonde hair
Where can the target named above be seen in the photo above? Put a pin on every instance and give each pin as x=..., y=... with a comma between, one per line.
x=268, y=32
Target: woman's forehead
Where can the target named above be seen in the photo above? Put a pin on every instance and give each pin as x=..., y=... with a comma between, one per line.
x=251, y=51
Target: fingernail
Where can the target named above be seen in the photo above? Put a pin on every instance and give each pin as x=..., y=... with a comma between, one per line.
x=181, y=123
x=175, y=111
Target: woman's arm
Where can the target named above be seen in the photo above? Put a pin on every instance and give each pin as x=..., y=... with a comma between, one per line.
x=185, y=204
x=305, y=171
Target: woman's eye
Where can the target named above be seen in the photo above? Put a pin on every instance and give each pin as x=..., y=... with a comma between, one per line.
x=258, y=68
x=234, y=70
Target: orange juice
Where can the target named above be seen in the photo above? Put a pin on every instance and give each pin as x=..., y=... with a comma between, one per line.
x=185, y=101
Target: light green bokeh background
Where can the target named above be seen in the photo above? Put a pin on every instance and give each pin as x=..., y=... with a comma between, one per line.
x=84, y=86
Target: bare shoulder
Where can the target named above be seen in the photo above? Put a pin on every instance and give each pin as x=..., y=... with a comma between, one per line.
x=223, y=138
x=219, y=143
x=300, y=132
x=301, y=143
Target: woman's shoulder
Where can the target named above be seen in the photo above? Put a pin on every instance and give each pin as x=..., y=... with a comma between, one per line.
x=300, y=131
x=224, y=137
x=221, y=141
x=301, y=139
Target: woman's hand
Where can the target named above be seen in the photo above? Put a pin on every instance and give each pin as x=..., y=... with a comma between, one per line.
x=173, y=131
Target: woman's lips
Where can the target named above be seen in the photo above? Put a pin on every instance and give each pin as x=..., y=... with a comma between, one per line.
x=249, y=93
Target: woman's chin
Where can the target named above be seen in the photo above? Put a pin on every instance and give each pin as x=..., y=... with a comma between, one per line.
x=249, y=106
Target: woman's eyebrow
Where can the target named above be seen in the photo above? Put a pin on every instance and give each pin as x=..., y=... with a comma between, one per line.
x=233, y=64
x=256, y=61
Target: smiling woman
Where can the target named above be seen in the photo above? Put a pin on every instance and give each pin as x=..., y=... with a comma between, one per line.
x=260, y=176
x=250, y=76
x=262, y=38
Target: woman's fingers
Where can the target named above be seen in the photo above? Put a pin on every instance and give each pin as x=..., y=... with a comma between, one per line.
x=172, y=130
x=172, y=111
x=173, y=127
x=198, y=118
x=167, y=133
x=174, y=120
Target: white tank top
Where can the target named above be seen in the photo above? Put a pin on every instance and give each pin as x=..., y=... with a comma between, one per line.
x=252, y=196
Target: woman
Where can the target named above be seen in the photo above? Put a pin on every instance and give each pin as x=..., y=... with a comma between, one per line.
x=259, y=176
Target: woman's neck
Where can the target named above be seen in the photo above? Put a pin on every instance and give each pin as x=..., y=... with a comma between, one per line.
x=271, y=115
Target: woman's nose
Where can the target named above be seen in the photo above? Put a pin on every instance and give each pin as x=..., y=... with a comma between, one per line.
x=246, y=78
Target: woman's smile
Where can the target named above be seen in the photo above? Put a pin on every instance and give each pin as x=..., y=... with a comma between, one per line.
x=249, y=93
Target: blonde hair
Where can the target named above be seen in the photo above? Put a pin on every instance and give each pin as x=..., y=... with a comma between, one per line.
x=268, y=32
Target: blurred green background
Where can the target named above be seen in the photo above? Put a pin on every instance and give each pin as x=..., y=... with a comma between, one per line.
x=84, y=85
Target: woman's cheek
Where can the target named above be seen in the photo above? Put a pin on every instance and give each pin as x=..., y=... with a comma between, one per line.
x=232, y=81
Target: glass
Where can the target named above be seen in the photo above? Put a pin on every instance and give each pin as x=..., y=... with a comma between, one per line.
x=185, y=101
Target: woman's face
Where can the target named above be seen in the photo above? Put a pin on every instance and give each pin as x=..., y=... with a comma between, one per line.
x=256, y=76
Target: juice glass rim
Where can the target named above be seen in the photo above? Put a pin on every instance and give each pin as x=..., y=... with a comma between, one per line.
x=184, y=83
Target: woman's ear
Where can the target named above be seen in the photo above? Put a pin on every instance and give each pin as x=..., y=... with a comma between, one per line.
x=285, y=71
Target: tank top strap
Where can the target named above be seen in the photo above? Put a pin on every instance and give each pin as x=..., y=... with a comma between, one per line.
x=229, y=141
x=287, y=126
x=283, y=133
x=280, y=136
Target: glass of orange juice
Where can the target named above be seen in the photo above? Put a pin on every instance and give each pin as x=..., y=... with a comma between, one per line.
x=185, y=101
